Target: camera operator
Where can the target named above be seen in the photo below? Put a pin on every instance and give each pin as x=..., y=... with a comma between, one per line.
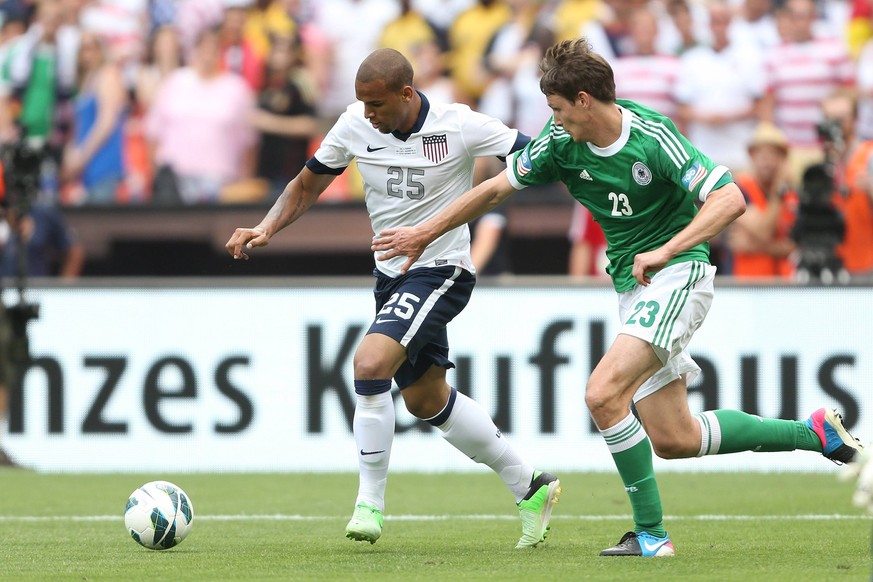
x=33, y=238
x=856, y=185
x=830, y=230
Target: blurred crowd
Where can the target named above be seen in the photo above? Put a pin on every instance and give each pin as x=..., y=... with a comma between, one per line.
x=222, y=101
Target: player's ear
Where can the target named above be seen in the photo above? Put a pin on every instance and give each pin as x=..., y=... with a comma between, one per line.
x=407, y=93
x=583, y=99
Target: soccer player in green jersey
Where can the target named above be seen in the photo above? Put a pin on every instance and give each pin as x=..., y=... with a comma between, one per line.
x=641, y=179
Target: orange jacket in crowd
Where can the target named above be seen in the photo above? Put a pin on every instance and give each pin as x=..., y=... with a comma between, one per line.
x=857, y=248
x=764, y=264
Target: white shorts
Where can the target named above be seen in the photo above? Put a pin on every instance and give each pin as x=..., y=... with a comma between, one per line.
x=665, y=314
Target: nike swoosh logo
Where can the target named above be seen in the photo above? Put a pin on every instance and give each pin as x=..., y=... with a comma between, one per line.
x=371, y=149
x=385, y=320
x=654, y=547
x=363, y=452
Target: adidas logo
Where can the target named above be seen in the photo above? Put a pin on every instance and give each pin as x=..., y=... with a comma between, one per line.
x=586, y=176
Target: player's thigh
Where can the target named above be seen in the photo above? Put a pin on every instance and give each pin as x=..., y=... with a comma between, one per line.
x=668, y=311
x=628, y=362
x=668, y=422
x=415, y=309
x=378, y=356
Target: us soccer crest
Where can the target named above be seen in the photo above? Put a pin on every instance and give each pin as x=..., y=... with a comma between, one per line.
x=436, y=147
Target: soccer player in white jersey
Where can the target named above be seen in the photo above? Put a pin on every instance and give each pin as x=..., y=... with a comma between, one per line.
x=640, y=178
x=415, y=159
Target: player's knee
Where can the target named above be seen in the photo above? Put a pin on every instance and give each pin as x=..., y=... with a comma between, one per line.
x=371, y=365
x=423, y=401
x=600, y=400
x=673, y=446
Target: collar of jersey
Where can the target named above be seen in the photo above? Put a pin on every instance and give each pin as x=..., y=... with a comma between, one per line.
x=425, y=107
x=616, y=146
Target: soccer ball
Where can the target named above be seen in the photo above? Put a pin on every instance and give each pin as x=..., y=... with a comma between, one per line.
x=158, y=515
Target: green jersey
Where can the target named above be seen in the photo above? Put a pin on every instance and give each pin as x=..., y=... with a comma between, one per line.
x=641, y=189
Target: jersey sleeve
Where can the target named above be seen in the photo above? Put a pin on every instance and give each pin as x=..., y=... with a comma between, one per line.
x=686, y=166
x=534, y=164
x=333, y=155
x=486, y=136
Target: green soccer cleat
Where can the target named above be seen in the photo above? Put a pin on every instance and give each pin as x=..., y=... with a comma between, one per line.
x=536, y=509
x=366, y=524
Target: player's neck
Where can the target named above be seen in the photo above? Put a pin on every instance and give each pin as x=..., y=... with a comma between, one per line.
x=605, y=124
x=412, y=114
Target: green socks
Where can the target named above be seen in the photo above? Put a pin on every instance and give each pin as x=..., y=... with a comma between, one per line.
x=632, y=453
x=732, y=431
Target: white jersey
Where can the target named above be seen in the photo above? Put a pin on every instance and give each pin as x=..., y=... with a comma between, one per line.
x=409, y=178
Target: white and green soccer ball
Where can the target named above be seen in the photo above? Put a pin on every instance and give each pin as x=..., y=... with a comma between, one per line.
x=158, y=515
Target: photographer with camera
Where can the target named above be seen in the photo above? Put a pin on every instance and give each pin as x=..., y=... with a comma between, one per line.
x=32, y=237
x=834, y=230
x=821, y=226
x=855, y=183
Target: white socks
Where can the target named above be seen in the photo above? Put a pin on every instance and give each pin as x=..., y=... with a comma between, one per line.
x=374, y=433
x=470, y=430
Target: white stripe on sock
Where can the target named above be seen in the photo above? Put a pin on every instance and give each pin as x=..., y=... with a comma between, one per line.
x=710, y=433
x=624, y=435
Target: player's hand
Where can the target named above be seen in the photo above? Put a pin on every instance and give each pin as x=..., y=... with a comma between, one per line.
x=650, y=262
x=405, y=241
x=248, y=237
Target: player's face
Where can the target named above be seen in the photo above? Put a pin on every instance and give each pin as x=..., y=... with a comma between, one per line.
x=387, y=110
x=571, y=115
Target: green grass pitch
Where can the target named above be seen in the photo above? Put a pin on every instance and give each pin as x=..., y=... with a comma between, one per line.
x=727, y=526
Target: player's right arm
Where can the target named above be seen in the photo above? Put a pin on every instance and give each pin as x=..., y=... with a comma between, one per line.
x=299, y=195
x=411, y=242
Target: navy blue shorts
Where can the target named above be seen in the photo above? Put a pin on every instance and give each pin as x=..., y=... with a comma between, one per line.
x=414, y=310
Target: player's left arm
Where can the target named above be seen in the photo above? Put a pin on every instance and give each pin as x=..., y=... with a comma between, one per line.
x=722, y=206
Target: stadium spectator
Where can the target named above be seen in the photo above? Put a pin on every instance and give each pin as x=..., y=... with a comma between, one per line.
x=864, y=68
x=760, y=240
x=469, y=36
x=570, y=16
x=853, y=161
x=285, y=117
x=431, y=78
x=407, y=339
x=163, y=56
x=239, y=54
x=11, y=29
x=718, y=107
x=489, y=244
x=441, y=14
x=269, y=19
x=660, y=270
x=353, y=28
x=200, y=128
x=684, y=25
x=587, y=246
x=800, y=73
x=95, y=156
x=754, y=26
x=409, y=30
x=609, y=32
x=516, y=46
x=645, y=75
x=49, y=245
x=41, y=71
